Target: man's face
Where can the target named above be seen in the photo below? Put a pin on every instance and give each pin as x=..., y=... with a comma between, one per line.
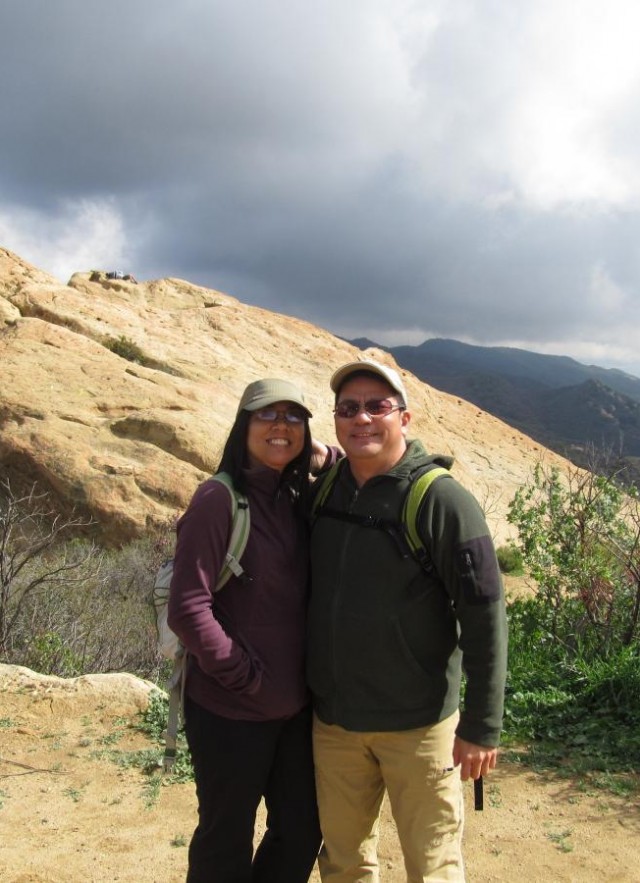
x=377, y=441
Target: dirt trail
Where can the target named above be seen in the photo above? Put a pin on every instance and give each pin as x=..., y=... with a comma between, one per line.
x=69, y=815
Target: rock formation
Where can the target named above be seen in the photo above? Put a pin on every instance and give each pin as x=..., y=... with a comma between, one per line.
x=127, y=442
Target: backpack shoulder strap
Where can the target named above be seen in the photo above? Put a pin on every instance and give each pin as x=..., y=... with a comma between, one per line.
x=326, y=481
x=237, y=544
x=413, y=503
x=241, y=524
x=405, y=533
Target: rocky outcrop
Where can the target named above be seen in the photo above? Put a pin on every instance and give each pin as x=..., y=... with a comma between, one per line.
x=122, y=693
x=116, y=396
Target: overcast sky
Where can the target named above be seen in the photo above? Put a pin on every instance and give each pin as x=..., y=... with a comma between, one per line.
x=383, y=168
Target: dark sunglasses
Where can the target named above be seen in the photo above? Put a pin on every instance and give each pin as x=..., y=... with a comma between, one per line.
x=271, y=415
x=349, y=408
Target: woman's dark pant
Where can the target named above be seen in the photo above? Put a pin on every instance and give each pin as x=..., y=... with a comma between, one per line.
x=236, y=763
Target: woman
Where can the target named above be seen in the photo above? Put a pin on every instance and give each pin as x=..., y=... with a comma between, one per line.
x=247, y=713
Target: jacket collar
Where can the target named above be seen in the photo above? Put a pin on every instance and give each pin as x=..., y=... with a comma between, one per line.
x=415, y=457
x=263, y=479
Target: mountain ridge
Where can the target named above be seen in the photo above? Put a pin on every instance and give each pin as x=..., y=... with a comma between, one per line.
x=569, y=407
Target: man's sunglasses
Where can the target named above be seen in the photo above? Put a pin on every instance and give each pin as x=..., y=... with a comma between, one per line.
x=349, y=408
x=271, y=415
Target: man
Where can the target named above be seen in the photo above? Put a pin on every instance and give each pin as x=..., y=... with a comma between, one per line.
x=388, y=639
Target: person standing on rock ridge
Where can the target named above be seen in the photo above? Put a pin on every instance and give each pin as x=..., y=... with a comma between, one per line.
x=247, y=707
x=389, y=637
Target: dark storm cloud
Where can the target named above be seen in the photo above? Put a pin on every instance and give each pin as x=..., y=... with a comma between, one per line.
x=382, y=168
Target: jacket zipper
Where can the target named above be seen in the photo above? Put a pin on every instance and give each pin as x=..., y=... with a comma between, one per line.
x=336, y=599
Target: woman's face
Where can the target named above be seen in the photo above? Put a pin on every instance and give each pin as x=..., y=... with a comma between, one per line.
x=272, y=439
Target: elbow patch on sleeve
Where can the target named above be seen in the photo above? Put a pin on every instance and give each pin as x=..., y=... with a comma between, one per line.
x=478, y=571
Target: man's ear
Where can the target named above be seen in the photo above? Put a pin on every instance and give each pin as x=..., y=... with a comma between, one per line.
x=405, y=420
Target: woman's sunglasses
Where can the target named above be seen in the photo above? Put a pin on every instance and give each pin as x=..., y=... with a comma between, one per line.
x=271, y=415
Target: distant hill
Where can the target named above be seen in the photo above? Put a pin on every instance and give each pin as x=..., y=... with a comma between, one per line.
x=565, y=405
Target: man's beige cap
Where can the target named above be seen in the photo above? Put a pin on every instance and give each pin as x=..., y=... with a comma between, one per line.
x=390, y=375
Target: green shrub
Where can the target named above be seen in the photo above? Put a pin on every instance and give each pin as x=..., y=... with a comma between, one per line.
x=50, y=654
x=580, y=540
x=153, y=722
x=126, y=348
x=573, y=684
x=510, y=559
x=566, y=703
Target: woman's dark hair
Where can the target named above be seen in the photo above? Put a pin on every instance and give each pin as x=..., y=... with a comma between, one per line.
x=234, y=460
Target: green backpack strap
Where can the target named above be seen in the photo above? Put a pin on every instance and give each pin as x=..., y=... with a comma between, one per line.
x=412, y=503
x=406, y=533
x=239, y=532
x=327, y=481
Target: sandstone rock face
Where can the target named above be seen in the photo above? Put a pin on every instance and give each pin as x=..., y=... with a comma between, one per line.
x=128, y=442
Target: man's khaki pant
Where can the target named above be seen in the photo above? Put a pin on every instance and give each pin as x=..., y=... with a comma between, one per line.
x=416, y=768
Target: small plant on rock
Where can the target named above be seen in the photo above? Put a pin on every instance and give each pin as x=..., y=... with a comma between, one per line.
x=126, y=348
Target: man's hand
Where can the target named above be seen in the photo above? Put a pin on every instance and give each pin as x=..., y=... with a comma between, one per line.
x=474, y=760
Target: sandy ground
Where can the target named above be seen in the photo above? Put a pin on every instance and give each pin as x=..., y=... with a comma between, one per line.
x=69, y=813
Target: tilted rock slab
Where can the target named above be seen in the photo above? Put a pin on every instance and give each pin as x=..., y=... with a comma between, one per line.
x=127, y=443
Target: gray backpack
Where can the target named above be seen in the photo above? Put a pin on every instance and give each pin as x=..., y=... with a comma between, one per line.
x=169, y=644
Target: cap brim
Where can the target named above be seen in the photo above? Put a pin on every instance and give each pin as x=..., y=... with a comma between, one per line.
x=388, y=375
x=266, y=400
x=265, y=392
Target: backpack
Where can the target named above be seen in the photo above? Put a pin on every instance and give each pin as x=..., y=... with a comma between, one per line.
x=404, y=533
x=168, y=643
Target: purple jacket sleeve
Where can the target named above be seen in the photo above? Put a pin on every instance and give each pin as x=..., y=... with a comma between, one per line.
x=203, y=535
